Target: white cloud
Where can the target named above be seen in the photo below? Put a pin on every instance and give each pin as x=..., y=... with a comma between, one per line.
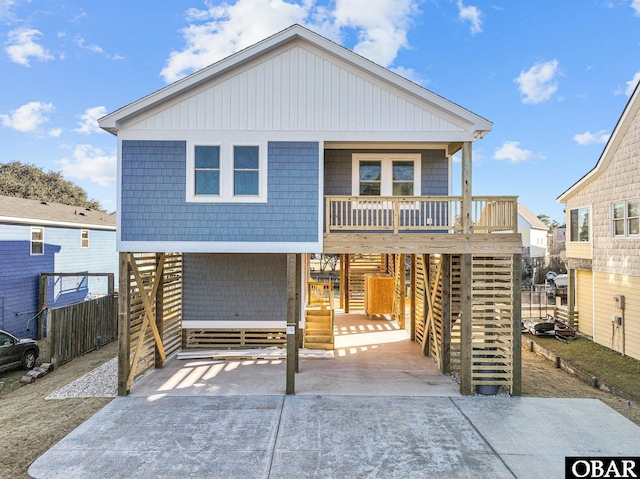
x=410, y=74
x=382, y=30
x=537, y=84
x=588, y=138
x=81, y=42
x=89, y=120
x=55, y=132
x=219, y=31
x=635, y=4
x=21, y=46
x=90, y=163
x=631, y=84
x=28, y=117
x=471, y=14
x=511, y=151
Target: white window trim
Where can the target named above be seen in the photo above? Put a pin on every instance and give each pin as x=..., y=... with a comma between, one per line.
x=88, y=239
x=386, y=179
x=590, y=225
x=31, y=241
x=226, y=174
x=625, y=219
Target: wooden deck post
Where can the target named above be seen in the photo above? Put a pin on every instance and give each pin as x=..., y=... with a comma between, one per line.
x=445, y=351
x=346, y=283
x=291, y=323
x=402, y=273
x=159, y=309
x=466, y=318
x=342, y=281
x=124, y=325
x=411, y=329
x=465, y=212
x=298, y=308
x=516, y=388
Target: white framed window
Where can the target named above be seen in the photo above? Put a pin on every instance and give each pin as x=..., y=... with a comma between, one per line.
x=579, y=225
x=386, y=174
x=226, y=172
x=84, y=238
x=37, y=240
x=626, y=218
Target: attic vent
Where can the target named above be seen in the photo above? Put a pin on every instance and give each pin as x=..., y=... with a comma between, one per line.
x=43, y=202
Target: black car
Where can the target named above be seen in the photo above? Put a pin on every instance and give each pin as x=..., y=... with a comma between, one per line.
x=16, y=352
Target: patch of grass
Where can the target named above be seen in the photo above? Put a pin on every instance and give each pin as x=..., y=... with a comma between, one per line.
x=621, y=372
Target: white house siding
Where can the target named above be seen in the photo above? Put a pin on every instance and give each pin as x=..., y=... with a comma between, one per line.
x=584, y=302
x=608, y=334
x=296, y=88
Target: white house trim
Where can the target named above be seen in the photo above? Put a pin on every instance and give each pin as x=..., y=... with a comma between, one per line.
x=62, y=224
x=217, y=247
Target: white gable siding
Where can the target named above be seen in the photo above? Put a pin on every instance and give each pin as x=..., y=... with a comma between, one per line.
x=297, y=88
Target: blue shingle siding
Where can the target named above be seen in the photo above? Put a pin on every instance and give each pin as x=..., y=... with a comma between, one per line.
x=154, y=207
x=338, y=165
x=237, y=287
x=20, y=271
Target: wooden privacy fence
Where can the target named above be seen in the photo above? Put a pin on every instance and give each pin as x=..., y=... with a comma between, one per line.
x=150, y=313
x=79, y=328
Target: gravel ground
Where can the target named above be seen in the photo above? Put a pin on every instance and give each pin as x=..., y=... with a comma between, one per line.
x=101, y=382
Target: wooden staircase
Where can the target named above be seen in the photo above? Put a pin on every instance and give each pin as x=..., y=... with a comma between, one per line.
x=318, y=332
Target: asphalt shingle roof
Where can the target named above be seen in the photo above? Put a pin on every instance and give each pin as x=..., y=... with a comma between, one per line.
x=11, y=207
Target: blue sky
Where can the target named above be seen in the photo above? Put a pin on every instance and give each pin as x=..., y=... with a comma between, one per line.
x=553, y=76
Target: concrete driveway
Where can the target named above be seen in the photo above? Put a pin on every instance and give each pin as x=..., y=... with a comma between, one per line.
x=378, y=409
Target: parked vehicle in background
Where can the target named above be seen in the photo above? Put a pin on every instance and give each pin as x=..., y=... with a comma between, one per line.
x=15, y=353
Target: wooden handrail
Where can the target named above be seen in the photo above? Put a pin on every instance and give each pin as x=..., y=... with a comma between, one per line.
x=395, y=214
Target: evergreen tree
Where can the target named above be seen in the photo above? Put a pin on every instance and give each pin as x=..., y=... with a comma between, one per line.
x=28, y=181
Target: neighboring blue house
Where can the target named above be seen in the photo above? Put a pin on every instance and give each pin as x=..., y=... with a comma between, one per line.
x=293, y=146
x=39, y=237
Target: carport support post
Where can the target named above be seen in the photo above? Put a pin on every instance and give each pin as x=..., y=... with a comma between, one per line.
x=298, y=308
x=292, y=343
x=124, y=332
x=466, y=386
x=516, y=387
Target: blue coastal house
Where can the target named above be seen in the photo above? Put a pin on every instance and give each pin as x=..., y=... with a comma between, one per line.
x=40, y=237
x=231, y=177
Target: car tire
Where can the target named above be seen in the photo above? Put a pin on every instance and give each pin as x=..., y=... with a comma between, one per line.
x=29, y=360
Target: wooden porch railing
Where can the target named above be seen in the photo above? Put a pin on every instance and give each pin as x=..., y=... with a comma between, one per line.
x=395, y=214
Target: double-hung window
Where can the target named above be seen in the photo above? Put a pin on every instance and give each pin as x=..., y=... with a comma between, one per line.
x=37, y=240
x=382, y=174
x=207, y=170
x=579, y=224
x=226, y=173
x=84, y=238
x=626, y=218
